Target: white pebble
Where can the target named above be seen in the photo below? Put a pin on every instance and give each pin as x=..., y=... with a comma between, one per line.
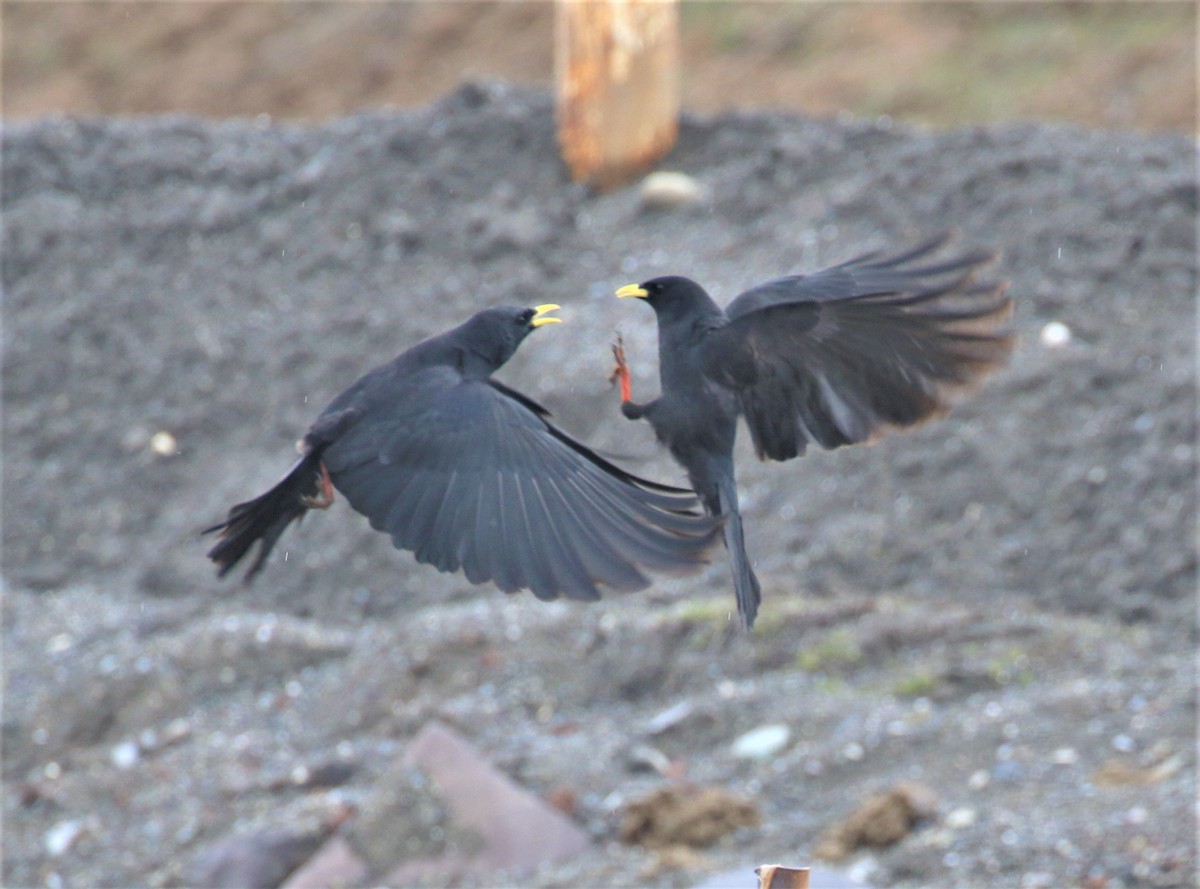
x=666, y=190
x=59, y=643
x=764, y=741
x=177, y=729
x=669, y=718
x=61, y=837
x=125, y=755
x=960, y=818
x=1055, y=335
x=163, y=444
x=1065, y=756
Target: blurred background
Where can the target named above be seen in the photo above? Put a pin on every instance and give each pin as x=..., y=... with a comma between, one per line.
x=1114, y=65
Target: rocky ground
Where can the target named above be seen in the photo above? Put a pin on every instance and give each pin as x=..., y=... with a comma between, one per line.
x=996, y=608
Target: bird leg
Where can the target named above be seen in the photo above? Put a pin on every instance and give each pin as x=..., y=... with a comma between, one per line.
x=324, y=496
x=620, y=371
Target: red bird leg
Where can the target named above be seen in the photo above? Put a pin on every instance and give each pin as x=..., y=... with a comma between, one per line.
x=324, y=497
x=621, y=370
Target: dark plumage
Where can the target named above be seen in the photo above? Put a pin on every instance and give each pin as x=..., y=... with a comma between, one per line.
x=834, y=358
x=470, y=475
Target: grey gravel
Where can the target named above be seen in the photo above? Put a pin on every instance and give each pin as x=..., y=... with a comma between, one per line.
x=955, y=606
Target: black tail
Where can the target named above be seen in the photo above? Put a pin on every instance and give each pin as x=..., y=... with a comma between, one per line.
x=745, y=584
x=265, y=517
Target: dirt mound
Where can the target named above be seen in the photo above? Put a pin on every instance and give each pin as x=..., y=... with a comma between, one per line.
x=994, y=605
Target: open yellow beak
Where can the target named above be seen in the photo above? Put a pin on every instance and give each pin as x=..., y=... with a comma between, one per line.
x=538, y=311
x=633, y=290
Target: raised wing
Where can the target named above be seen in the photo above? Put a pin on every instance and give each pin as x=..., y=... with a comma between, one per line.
x=837, y=356
x=474, y=477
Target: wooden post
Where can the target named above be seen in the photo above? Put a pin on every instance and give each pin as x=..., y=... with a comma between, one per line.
x=617, y=73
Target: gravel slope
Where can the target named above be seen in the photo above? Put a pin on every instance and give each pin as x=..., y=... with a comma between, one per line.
x=998, y=605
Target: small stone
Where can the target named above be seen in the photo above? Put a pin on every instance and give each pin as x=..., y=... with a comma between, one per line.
x=1065, y=756
x=61, y=837
x=644, y=758
x=979, y=779
x=163, y=444
x=960, y=818
x=1055, y=335
x=666, y=190
x=762, y=742
x=126, y=755
x=177, y=729
x=59, y=643
x=669, y=718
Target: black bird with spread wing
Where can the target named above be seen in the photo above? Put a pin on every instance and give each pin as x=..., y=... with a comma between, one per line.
x=469, y=474
x=834, y=358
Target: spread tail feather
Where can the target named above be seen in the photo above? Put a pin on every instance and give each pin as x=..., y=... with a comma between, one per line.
x=265, y=518
x=745, y=583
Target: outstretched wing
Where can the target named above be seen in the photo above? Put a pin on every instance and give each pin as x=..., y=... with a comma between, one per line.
x=836, y=356
x=470, y=475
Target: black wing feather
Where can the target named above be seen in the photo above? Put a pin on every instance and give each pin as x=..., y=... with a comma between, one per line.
x=837, y=356
x=468, y=476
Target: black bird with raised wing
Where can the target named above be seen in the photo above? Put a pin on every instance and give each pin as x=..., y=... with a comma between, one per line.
x=834, y=357
x=471, y=475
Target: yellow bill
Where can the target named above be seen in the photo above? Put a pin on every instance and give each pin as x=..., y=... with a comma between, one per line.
x=538, y=311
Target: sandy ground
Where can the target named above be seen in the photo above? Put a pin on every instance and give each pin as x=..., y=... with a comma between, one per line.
x=997, y=606
x=1124, y=65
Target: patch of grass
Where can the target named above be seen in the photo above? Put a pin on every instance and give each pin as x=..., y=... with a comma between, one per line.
x=704, y=611
x=703, y=620
x=835, y=650
x=916, y=684
x=720, y=611
x=781, y=613
x=830, y=685
x=722, y=23
x=1011, y=666
x=1009, y=62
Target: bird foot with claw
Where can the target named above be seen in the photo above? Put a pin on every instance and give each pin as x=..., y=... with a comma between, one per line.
x=620, y=371
x=324, y=496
